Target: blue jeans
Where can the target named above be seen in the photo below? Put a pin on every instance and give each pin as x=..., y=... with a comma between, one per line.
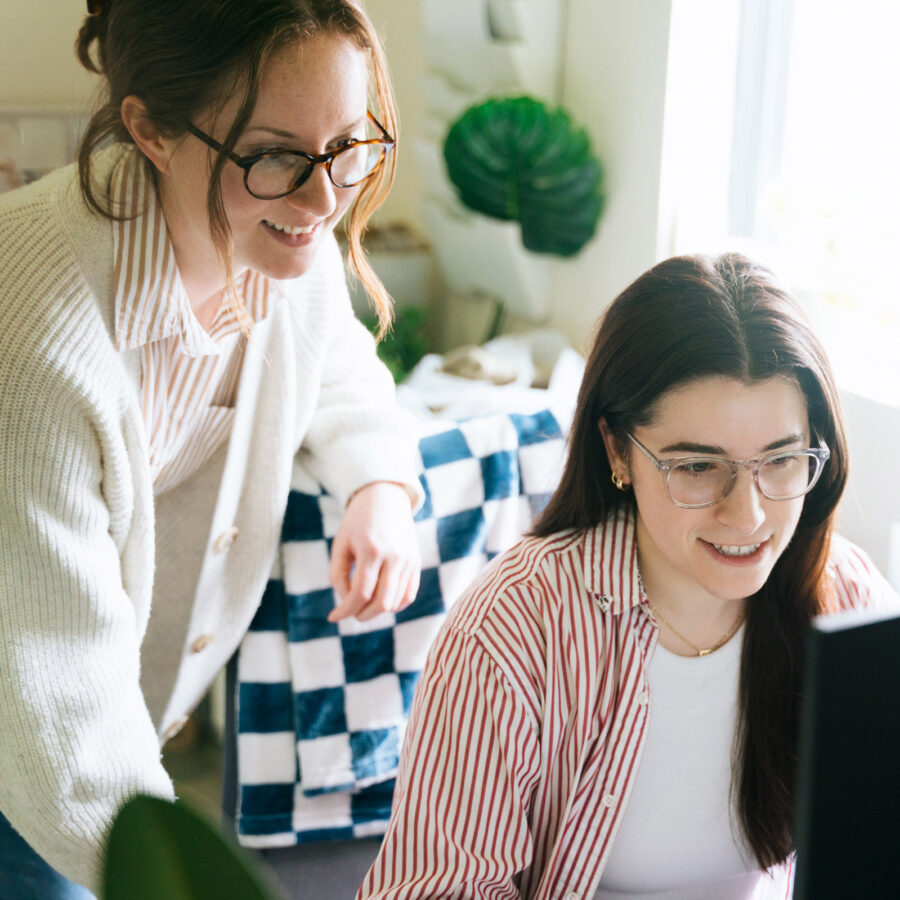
x=25, y=876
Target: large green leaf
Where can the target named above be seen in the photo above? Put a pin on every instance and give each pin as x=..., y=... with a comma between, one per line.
x=159, y=850
x=516, y=159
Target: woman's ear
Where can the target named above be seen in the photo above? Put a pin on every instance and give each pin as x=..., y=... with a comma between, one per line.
x=145, y=134
x=617, y=461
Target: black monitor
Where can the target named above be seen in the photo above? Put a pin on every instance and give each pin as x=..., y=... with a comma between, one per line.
x=847, y=817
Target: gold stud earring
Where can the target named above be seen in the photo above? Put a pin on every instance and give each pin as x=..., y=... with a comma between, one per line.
x=618, y=482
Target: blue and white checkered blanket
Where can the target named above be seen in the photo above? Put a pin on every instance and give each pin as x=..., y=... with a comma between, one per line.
x=322, y=707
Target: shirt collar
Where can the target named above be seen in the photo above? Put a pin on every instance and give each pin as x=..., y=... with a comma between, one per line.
x=151, y=303
x=610, y=563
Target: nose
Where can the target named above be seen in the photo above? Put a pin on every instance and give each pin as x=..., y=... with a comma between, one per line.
x=742, y=510
x=316, y=195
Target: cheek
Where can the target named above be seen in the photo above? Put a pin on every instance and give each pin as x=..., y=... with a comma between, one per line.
x=344, y=198
x=789, y=518
x=665, y=522
x=241, y=207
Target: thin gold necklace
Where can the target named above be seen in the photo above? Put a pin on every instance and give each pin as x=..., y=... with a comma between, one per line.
x=699, y=650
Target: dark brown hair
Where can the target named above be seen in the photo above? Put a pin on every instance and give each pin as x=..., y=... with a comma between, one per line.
x=692, y=317
x=184, y=57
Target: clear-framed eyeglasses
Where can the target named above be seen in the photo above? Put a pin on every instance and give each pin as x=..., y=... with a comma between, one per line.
x=276, y=173
x=695, y=482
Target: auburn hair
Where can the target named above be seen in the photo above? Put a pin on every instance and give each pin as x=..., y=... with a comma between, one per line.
x=185, y=57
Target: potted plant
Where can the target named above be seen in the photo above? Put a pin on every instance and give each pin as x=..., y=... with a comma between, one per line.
x=517, y=160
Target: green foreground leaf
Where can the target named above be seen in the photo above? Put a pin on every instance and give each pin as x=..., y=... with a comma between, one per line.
x=159, y=850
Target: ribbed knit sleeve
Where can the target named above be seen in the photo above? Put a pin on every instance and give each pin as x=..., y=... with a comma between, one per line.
x=357, y=434
x=75, y=535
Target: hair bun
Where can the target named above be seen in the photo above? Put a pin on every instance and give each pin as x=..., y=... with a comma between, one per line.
x=92, y=29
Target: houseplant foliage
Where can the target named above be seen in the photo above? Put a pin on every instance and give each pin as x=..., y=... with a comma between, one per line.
x=516, y=159
x=406, y=342
x=159, y=850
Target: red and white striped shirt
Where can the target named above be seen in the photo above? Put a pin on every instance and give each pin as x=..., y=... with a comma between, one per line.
x=529, y=720
x=189, y=376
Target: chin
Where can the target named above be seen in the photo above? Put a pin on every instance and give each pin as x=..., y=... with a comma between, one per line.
x=286, y=269
x=739, y=587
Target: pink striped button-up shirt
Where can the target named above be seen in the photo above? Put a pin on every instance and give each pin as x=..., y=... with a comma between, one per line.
x=528, y=724
x=189, y=376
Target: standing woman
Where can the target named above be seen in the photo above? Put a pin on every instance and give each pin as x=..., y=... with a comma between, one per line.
x=174, y=326
x=611, y=711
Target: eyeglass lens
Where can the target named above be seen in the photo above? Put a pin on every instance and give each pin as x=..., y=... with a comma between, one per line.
x=277, y=173
x=707, y=481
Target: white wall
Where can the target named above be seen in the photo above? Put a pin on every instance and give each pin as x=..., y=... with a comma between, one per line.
x=870, y=507
x=615, y=80
x=614, y=84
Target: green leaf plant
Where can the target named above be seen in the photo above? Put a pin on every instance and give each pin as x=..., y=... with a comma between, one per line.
x=158, y=850
x=516, y=159
x=405, y=343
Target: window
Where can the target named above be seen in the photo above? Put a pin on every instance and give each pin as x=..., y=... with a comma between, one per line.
x=813, y=182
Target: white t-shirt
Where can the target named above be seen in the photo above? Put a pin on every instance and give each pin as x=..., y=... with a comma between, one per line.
x=678, y=839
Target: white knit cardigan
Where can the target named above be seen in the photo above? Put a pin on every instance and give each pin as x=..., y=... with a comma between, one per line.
x=92, y=674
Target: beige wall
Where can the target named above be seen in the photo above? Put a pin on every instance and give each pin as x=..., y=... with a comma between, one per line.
x=37, y=59
x=398, y=24
x=614, y=84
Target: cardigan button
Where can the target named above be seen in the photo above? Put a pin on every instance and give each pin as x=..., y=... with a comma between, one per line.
x=225, y=539
x=201, y=643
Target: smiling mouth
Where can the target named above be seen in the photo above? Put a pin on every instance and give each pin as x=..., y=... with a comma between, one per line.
x=291, y=229
x=737, y=550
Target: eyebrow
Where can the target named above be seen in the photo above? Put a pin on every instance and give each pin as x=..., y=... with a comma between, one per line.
x=289, y=135
x=277, y=132
x=710, y=450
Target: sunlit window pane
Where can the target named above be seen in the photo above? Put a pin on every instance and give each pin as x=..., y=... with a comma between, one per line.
x=832, y=205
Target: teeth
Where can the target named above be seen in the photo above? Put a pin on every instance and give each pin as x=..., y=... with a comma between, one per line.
x=290, y=229
x=734, y=550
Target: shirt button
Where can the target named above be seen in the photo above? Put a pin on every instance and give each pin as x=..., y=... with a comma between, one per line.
x=608, y=800
x=174, y=728
x=225, y=540
x=603, y=602
x=643, y=698
x=573, y=896
x=201, y=643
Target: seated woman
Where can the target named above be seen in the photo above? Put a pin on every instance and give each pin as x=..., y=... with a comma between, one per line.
x=611, y=710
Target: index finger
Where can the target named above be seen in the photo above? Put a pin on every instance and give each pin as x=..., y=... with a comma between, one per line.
x=362, y=586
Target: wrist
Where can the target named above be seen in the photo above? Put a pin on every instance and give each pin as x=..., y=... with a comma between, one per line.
x=410, y=492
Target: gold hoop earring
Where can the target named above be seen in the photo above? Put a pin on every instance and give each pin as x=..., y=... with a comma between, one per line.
x=618, y=482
